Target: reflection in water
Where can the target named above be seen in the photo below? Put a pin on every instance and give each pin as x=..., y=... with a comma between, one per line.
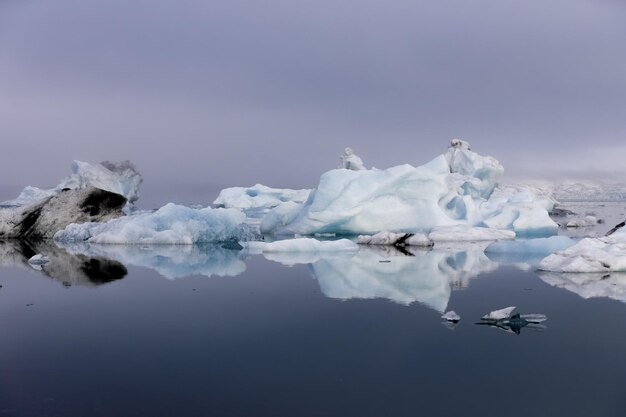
x=170, y=261
x=514, y=324
x=70, y=269
x=426, y=276
x=589, y=285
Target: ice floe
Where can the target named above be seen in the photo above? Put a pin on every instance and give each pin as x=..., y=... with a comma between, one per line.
x=171, y=224
x=395, y=239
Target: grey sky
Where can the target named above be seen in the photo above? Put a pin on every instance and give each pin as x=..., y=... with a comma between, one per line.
x=236, y=92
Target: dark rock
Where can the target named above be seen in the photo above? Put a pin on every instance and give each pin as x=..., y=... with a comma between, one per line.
x=43, y=219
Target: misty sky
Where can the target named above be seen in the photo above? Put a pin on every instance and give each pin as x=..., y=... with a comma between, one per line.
x=237, y=92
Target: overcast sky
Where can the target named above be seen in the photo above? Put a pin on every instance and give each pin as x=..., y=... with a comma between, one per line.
x=237, y=92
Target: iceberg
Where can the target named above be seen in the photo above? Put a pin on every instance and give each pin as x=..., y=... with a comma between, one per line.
x=605, y=254
x=258, y=197
x=501, y=314
x=458, y=188
x=38, y=259
x=451, y=316
x=171, y=224
x=462, y=233
x=119, y=178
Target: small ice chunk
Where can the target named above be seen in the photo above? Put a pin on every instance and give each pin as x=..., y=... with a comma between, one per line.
x=451, y=316
x=534, y=317
x=501, y=314
x=585, y=222
x=349, y=160
x=38, y=259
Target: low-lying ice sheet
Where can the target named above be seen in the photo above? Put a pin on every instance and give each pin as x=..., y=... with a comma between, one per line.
x=395, y=239
x=171, y=224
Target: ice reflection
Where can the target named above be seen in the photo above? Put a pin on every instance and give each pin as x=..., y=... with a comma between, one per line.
x=422, y=275
x=170, y=261
x=69, y=269
x=589, y=285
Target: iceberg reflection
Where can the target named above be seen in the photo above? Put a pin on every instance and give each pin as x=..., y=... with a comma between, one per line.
x=170, y=261
x=589, y=285
x=69, y=269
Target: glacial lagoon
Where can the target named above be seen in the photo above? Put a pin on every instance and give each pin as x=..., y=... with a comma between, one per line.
x=186, y=330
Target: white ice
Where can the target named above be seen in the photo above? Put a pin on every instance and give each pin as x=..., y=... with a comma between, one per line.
x=38, y=259
x=501, y=314
x=258, y=197
x=589, y=285
x=171, y=224
x=456, y=188
x=605, y=254
x=390, y=238
x=587, y=221
x=351, y=161
x=451, y=316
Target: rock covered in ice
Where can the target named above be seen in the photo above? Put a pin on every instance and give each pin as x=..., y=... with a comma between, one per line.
x=119, y=178
x=171, y=224
x=501, y=314
x=451, y=316
x=349, y=160
x=453, y=189
x=303, y=245
x=395, y=239
x=466, y=233
x=258, y=197
x=605, y=254
x=587, y=221
x=44, y=218
x=38, y=259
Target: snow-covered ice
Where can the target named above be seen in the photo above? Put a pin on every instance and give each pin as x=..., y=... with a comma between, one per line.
x=258, y=197
x=605, y=254
x=501, y=314
x=171, y=224
x=451, y=316
x=351, y=161
x=397, y=239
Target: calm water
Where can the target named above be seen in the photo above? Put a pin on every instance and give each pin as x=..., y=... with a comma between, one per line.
x=203, y=331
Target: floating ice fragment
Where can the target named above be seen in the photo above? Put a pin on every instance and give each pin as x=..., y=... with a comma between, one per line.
x=38, y=259
x=395, y=239
x=451, y=316
x=501, y=314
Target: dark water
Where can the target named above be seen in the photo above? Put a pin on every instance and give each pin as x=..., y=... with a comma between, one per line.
x=247, y=336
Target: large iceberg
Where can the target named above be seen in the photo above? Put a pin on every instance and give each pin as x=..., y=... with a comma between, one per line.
x=119, y=178
x=589, y=285
x=458, y=188
x=171, y=224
